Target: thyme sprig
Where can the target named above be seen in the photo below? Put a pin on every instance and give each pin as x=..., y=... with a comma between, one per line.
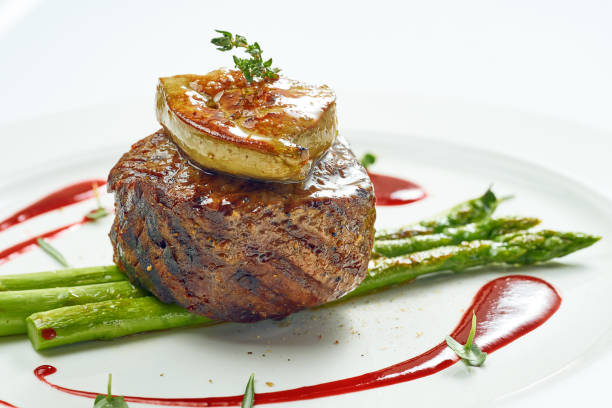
x=108, y=401
x=368, y=159
x=470, y=354
x=252, y=68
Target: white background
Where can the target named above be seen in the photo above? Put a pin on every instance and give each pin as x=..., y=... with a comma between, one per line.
x=529, y=78
x=552, y=57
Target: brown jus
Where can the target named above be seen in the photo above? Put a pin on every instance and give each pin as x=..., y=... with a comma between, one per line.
x=236, y=249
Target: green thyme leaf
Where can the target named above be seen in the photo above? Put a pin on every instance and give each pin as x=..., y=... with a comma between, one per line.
x=96, y=214
x=52, y=252
x=470, y=354
x=368, y=159
x=108, y=401
x=249, y=393
x=224, y=43
x=252, y=68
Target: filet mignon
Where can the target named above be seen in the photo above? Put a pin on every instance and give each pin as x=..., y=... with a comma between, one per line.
x=236, y=249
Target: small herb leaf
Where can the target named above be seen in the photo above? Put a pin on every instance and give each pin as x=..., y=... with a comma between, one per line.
x=368, y=159
x=52, y=252
x=470, y=353
x=224, y=43
x=252, y=68
x=96, y=214
x=108, y=401
x=249, y=393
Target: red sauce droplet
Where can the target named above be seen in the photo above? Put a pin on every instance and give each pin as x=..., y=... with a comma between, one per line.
x=48, y=333
x=391, y=190
x=71, y=194
x=506, y=309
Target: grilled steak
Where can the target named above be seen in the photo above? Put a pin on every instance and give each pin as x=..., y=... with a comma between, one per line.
x=237, y=249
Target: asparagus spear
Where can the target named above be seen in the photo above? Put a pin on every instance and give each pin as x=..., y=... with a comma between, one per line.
x=469, y=211
x=15, y=306
x=546, y=244
x=106, y=320
x=485, y=229
x=61, y=278
x=521, y=248
x=111, y=319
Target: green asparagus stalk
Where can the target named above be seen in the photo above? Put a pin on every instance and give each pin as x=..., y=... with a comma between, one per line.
x=542, y=246
x=61, y=278
x=107, y=320
x=16, y=306
x=521, y=248
x=467, y=212
x=111, y=319
x=485, y=229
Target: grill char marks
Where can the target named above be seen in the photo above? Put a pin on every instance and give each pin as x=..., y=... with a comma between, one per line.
x=236, y=249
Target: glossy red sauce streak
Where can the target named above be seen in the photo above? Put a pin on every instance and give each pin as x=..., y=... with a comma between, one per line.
x=9, y=253
x=71, y=194
x=506, y=309
x=6, y=404
x=391, y=190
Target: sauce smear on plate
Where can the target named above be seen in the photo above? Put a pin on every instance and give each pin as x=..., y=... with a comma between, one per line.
x=391, y=190
x=10, y=252
x=71, y=194
x=506, y=309
x=68, y=195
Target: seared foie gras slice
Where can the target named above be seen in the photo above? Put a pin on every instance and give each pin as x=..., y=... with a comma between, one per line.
x=268, y=130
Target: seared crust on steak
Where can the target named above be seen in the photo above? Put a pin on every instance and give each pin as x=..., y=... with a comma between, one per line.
x=236, y=249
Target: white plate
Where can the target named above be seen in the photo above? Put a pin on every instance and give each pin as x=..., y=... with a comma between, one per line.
x=372, y=332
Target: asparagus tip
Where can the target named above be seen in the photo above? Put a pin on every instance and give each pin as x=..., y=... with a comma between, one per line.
x=591, y=239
